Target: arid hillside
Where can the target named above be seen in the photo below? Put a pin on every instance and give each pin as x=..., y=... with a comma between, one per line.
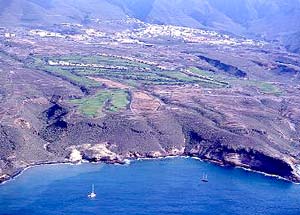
x=110, y=91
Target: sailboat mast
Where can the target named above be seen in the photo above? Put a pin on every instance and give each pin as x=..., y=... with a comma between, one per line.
x=92, y=188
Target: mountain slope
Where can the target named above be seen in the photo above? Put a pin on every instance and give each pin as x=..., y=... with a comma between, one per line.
x=270, y=19
x=273, y=20
x=33, y=12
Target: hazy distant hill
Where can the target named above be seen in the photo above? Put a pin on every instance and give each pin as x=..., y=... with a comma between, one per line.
x=20, y=12
x=272, y=19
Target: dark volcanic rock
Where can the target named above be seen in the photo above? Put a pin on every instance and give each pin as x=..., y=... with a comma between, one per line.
x=56, y=125
x=54, y=113
x=224, y=67
x=285, y=70
x=53, y=132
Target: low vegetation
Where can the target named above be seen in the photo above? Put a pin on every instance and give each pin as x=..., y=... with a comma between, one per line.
x=133, y=73
x=208, y=79
x=70, y=76
x=268, y=88
x=262, y=87
x=105, y=100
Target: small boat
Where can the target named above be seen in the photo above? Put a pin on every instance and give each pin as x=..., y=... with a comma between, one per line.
x=92, y=195
x=204, y=178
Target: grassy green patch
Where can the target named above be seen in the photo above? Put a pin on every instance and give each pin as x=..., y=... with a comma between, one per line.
x=201, y=72
x=118, y=100
x=102, y=60
x=63, y=72
x=180, y=76
x=262, y=87
x=104, y=100
x=70, y=76
x=268, y=88
x=209, y=79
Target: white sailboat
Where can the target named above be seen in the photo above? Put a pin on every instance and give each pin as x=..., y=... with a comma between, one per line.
x=204, y=178
x=92, y=194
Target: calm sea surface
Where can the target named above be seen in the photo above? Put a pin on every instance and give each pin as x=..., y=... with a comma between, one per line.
x=164, y=187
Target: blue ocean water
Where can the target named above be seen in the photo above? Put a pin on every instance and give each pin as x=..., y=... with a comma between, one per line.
x=163, y=187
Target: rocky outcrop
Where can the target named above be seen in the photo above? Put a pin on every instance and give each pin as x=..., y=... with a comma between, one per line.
x=54, y=118
x=93, y=153
x=75, y=156
x=249, y=159
x=224, y=67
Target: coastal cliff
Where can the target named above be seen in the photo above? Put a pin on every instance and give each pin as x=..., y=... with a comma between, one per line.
x=116, y=138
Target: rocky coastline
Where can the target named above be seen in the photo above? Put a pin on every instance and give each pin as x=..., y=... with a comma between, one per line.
x=92, y=154
x=115, y=138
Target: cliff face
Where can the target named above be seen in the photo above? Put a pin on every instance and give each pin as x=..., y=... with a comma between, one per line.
x=115, y=138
